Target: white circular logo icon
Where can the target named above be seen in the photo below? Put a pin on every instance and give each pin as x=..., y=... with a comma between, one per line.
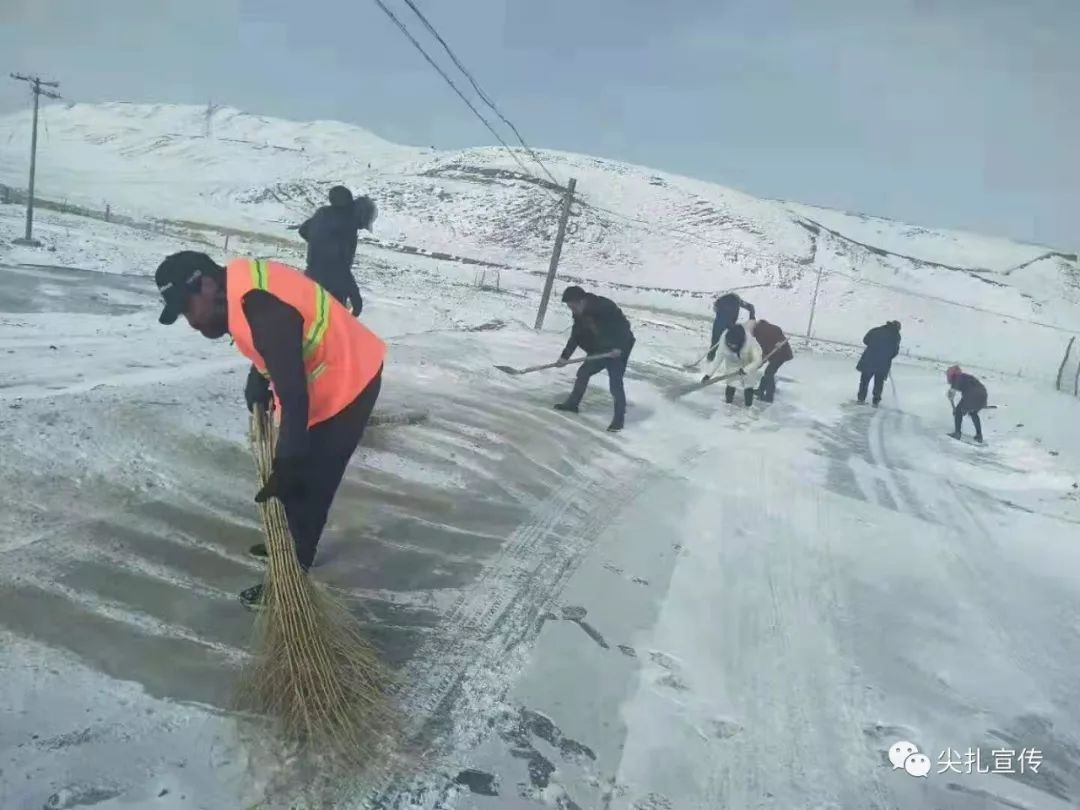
x=900, y=751
x=917, y=764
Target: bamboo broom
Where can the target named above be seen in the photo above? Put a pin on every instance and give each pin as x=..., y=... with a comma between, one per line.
x=313, y=675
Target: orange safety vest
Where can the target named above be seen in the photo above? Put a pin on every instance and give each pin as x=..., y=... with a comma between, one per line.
x=341, y=355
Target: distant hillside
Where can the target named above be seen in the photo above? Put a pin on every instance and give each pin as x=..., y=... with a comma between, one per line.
x=635, y=226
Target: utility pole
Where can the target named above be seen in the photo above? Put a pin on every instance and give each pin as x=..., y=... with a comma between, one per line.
x=813, y=304
x=40, y=88
x=556, y=253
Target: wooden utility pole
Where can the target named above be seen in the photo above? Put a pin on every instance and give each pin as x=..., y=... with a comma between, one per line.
x=556, y=253
x=40, y=88
x=813, y=304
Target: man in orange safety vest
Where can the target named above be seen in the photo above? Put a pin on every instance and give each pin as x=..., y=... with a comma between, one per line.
x=318, y=364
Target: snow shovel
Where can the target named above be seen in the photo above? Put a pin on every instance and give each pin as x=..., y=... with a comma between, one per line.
x=686, y=389
x=696, y=363
x=519, y=371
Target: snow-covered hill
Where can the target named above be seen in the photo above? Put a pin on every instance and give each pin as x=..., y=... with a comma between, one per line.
x=643, y=230
x=722, y=606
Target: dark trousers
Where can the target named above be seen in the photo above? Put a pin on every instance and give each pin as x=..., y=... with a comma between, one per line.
x=330, y=446
x=616, y=369
x=767, y=388
x=958, y=417
x=879, y=383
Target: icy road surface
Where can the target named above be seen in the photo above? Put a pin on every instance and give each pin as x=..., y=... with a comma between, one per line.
x=718, y=608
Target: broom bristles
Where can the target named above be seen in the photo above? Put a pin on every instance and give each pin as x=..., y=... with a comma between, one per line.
x=313, y=674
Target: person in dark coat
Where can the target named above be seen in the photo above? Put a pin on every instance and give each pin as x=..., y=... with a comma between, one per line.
x=769, y=336
x=726, y=313
x=330, y=234
x=973, y=398
x=882, y=345
x=599, y=326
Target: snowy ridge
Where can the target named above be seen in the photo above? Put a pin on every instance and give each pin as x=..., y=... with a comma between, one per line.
x=671, y=240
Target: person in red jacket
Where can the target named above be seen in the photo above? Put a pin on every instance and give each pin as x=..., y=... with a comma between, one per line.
x=770, y=337
x=318, y=364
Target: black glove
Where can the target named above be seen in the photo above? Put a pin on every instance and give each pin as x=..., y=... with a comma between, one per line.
x=711, y=355
x=257, y=391
x=357, y=306
x=705, y=379
x=286, y=479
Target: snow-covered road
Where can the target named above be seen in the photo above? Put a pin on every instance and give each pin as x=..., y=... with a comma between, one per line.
x=804, y=588
x=717, y=608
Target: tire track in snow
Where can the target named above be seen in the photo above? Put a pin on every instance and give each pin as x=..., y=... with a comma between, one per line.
x=457, y=680
x=802, y=705
x=1005, y=637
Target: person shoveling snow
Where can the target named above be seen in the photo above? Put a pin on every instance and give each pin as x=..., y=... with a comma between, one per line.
x=320, y=367
x=740, y=356
x=973, y=398
x=775, y=347
x=599, y=328
x=725, y=314
x=882, y=345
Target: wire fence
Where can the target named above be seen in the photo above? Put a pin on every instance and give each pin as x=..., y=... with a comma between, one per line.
x=218, y=237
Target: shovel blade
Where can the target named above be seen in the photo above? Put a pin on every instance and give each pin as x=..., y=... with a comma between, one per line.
x=508, y=370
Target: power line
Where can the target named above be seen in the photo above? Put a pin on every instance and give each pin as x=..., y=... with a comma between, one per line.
x=483, y=96
x=457, y=90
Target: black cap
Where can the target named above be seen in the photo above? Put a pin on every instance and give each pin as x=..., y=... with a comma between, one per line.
x=178, y=277
x=572, y=293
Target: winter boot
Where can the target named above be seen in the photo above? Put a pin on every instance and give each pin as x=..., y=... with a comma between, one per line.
x=729, y=394
x=748, y=397
x=877, y=402
x=616, y=425
x=568, y=407
x=978, y=439
x=954, y=435
x=258, y=551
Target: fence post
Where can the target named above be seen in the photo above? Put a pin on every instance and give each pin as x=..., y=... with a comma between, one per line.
x=1064, y=360
x=813, y=304
x=226, y=243
x=108, y=212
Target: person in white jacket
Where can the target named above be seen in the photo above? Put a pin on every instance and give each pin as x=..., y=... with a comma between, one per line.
x=740, y=355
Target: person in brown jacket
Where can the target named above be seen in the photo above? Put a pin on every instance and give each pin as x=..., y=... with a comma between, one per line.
x=973, y=398
x=769, y=336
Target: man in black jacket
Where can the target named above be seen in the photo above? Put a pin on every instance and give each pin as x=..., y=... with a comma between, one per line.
x=331, y=237
x=726, y=309
x=882, y=345
x=599, y=326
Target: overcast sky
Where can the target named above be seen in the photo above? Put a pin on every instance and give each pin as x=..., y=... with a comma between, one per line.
x=955, y=113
